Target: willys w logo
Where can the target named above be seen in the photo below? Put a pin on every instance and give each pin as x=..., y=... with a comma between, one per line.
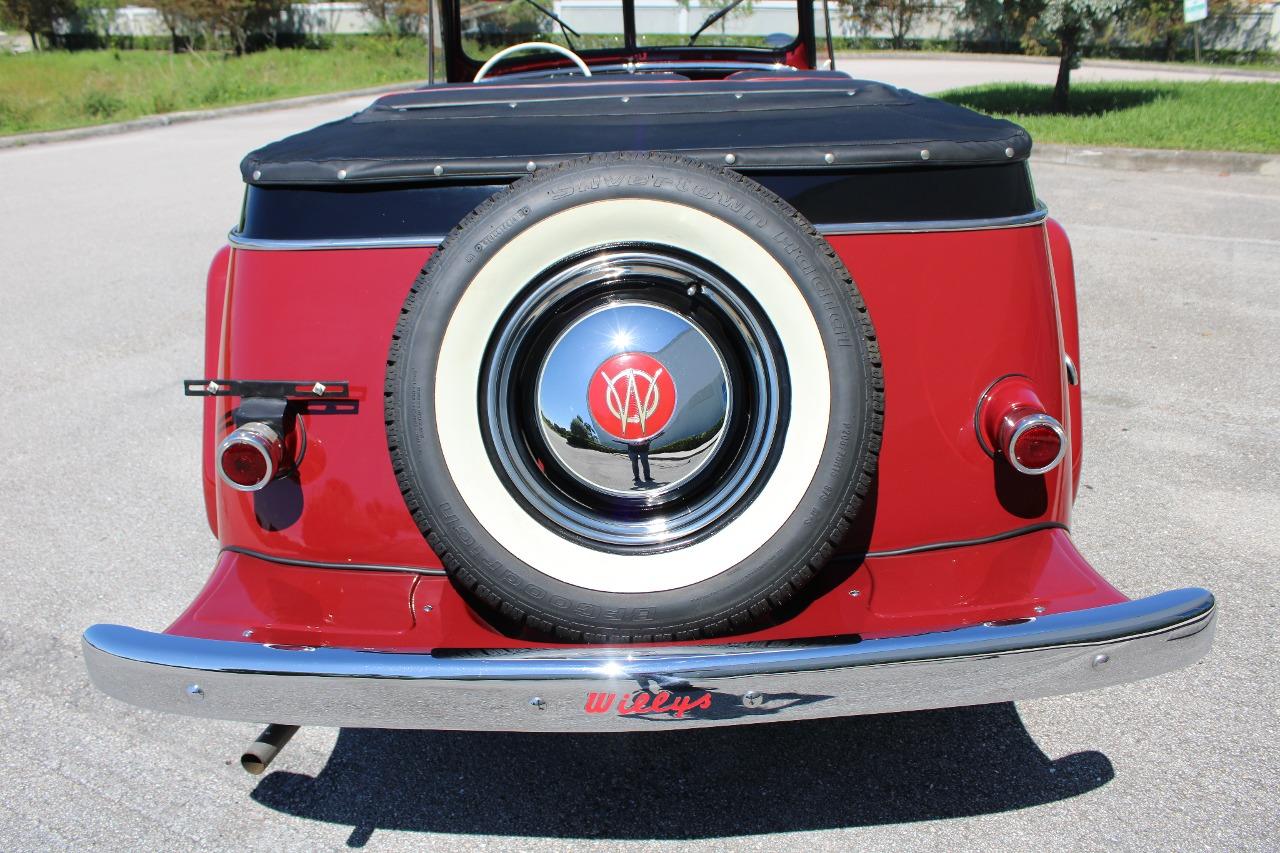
x=644, y=702
x=632, y=396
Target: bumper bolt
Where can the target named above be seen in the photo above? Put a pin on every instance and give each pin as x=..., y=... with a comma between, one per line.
x=753, y=699
x=195, y=691
x=1099, y=660
x=539, y=703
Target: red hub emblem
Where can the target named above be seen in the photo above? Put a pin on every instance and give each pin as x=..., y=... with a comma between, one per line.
x=632, y=396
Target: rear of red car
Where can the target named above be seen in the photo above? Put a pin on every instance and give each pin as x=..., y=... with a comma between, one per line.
x=782, y=423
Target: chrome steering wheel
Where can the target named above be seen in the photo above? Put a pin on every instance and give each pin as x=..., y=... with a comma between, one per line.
x=531, y=45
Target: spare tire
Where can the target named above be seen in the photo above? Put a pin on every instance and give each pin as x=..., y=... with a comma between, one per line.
x=634, y=398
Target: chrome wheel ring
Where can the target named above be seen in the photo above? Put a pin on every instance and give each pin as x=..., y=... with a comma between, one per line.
x=634, y=396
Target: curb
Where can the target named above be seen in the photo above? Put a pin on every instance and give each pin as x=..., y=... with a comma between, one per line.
x=1156, y=160
x=165, y=119
x=1258, y=74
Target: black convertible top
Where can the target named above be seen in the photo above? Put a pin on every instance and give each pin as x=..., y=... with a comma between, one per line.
x=751, y=121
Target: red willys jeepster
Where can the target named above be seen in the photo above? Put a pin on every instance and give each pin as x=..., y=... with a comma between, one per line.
x=640, y=382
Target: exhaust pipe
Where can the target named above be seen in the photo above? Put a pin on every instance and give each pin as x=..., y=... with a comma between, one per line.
x=259, y=754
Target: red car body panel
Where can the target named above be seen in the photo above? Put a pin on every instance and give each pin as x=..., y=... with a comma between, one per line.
x=896, y=595
x=955, y=311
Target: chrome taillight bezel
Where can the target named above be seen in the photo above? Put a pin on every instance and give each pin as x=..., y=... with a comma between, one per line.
x=263, y=439
x=1027, y=422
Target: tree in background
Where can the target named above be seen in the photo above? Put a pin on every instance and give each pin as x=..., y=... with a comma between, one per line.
x=95, y=18
x=1160, y=23
x=896, y=16
x=397, y=17
x=238, y=19
x=1046, y=26
x=1070, y=24
x=179, y=17
x=1003, y=23
x=37, y=16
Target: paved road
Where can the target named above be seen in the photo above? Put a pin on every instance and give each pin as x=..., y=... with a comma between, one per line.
x=931, y=73
x=102, y=249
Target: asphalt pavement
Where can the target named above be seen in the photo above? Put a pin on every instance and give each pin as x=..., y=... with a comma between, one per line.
x=103, y=249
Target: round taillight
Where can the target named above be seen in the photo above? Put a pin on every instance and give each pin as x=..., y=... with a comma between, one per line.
x=249, y=458
x=1036, y=444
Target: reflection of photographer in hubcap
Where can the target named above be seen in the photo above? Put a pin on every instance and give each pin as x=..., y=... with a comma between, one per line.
x=638, y=453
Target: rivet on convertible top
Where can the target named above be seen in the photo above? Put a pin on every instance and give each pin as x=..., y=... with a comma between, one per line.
x=828, y=158
x=342, y=174
x=257, y=174
x=731, y=158
x=924, y=154
x=438, y=170
x=1008, y=152
x=530, y=166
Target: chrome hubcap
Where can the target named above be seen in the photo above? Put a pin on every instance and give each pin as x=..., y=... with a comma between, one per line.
x=634, y=396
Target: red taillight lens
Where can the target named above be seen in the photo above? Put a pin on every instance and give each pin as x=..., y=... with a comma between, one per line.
x=244, y=464
x=1037, y=447
x=249, y=458
x=1033, y=443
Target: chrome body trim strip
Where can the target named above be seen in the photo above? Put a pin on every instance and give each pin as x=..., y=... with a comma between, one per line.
x=239, y=241
x=551, y=689
x=1035, y=217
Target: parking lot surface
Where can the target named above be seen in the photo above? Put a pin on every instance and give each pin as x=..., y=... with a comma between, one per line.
x=103, y=248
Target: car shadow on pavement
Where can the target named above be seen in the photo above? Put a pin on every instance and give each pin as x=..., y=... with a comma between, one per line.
x=691, y=784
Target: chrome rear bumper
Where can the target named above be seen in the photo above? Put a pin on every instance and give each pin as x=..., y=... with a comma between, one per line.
x=612, y=689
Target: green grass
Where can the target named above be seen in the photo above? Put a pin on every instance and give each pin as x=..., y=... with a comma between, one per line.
x=1199, y=116
x=55, y=90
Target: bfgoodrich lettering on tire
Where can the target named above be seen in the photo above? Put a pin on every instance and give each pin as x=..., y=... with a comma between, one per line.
x=634, y=398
